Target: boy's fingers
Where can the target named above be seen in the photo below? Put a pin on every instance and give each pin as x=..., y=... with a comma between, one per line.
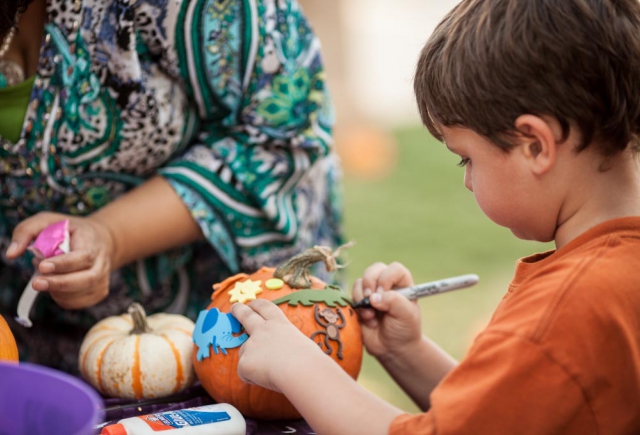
x=371, y=324
x=370, y=277
x=356, y=291
x=392, y=303
x=396, y=275
x=247, y=316
x=366, y=314
x=267, y=309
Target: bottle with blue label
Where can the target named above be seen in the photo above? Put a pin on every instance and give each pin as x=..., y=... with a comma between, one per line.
x=217, y=419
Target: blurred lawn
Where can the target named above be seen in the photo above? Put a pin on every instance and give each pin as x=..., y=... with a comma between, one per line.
x=422, y=216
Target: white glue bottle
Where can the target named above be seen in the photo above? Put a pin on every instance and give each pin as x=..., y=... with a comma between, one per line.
x=216, y=419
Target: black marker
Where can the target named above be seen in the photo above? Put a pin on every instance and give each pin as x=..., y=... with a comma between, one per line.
x=429, y=288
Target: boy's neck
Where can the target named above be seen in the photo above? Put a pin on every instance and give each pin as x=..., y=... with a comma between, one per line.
x=597, y=196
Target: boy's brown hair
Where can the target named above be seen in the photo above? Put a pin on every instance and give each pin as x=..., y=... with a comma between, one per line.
x=490, y=61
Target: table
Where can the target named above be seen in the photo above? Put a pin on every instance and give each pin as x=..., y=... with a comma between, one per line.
x=117, y=409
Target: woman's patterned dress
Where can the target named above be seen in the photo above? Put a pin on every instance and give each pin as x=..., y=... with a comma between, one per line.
x=226, y=99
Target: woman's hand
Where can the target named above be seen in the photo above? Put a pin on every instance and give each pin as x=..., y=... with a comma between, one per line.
x=394, y=326
x=275, y=348
x=76, y=280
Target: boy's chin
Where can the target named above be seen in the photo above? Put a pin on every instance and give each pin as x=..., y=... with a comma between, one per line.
x=532, y=235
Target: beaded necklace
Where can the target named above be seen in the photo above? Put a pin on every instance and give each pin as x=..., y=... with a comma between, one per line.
x=10, y=72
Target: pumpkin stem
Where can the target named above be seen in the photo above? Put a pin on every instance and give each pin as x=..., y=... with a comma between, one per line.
x=295, y=272
x=139, y=317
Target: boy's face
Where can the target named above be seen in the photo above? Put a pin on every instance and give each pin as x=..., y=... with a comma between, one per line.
x=502, y=184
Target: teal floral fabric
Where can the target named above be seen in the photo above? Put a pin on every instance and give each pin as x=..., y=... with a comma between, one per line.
x=226, y=99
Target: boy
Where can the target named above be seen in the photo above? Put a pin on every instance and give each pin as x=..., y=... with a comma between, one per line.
x=541, y=101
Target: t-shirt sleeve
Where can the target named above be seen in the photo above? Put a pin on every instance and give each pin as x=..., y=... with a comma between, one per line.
x=259, y=153
x=506, y=385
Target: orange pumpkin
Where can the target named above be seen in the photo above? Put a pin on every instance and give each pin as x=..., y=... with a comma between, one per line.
x=8, y=346
x=321, y=312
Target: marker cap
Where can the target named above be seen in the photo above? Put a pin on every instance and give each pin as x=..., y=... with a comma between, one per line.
x=114, y=429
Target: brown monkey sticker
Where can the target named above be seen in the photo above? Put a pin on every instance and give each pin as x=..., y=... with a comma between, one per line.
x=328, y=319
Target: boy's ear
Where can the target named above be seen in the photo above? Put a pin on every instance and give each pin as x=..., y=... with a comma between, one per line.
x=538, y=139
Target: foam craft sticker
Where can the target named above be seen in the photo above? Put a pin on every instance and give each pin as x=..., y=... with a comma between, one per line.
x=331, y=297
x=53, y=240
x=215, y=328
x=274, y=284
x=245, y=291
x=298, y=297
x=328, y=319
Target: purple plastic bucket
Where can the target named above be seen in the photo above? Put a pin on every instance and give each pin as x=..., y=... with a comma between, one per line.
x=36, y=400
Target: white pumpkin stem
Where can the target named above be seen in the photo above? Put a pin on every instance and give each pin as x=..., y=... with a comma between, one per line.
x=139, y=317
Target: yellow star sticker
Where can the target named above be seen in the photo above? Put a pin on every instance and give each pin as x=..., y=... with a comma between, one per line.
x=245, y=291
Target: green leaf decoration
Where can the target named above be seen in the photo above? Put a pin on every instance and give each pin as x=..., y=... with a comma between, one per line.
x=330, y=296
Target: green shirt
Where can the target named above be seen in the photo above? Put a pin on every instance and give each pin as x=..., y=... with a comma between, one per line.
x=13, y=107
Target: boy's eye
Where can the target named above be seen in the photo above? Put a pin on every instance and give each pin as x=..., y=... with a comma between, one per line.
x=463, y=162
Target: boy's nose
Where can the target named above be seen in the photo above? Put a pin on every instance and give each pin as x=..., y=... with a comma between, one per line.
x=467, y=178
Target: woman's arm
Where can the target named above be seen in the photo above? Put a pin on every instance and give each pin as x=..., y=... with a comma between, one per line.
x=148, y=220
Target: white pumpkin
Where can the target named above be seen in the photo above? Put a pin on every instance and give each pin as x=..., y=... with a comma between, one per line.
x=134, y=356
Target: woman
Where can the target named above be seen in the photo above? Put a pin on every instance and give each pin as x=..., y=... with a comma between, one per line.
x=185, y=140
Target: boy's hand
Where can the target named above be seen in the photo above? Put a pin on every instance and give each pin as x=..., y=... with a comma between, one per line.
x=275, y=348
x=79, y=279
x=394, y=325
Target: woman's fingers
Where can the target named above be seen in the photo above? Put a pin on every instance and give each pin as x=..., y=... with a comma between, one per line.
x=76, y=301
x=66, y=263
x=27, y=230
x=69, y=283
x=77, y=275
x=76, y=290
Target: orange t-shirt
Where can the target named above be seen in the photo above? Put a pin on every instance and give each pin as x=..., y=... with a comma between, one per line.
x=561, y=354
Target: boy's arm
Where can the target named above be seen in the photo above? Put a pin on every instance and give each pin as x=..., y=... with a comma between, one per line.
x=279, y=357
x=392, y=335
x=331, y=402
x=419, y=370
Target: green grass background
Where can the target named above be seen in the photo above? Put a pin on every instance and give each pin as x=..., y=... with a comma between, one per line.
x=422, y=216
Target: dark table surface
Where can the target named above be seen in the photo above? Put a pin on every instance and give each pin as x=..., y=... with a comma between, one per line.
x=117, y=409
